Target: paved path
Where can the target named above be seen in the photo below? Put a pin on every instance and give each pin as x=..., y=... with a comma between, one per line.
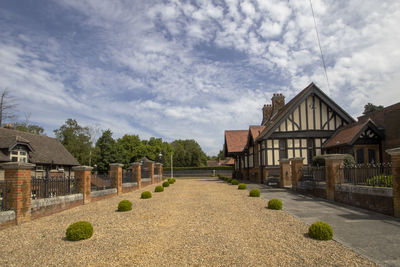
x=371, y=234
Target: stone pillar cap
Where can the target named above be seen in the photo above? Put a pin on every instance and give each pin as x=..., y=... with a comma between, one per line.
x=284, y=160
x=296, y=159
x=82, y=168
x=18, y=165
x=116, y=165
x=158, y=163
x=334, y=156
x=136, y=164
x=393, y=151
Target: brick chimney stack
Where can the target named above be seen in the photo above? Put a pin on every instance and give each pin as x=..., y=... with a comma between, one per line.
x=278, y=102
x=267, y=112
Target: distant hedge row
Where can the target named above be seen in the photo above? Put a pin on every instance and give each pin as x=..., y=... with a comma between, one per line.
x=199, y=168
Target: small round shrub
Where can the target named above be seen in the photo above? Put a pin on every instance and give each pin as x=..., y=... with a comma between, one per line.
x=229, y=180
x=165, y=184
x=79, y=230
x=275, y=204
x=235, y=182
x=348, y=160
x=242, y=186
x=125, y=205
x=254, y=192
x=146, y=194
x=159, y=188
x=320, y=231
x=171, y=180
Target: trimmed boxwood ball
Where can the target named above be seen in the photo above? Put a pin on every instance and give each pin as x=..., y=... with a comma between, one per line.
x=125, y=205
x=320, y=231
x=146, y=194
x=171, y=181
x=229, y=180
x=275, y=204
x=79, y=230
x=165, y=184
x=242, y=187
x=234, y=182
x=159, y=188
x=254, y=192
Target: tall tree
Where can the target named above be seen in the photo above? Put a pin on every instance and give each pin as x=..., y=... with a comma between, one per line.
x=188, y=153
x=7, y=107
x=106, y=151
x=76, y=140
x=369, y=108
x=30, y=128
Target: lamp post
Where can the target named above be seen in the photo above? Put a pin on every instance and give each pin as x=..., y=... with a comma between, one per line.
x=159, y=157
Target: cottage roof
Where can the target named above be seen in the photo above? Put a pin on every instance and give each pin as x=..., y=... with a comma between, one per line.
x=44, y=149
x=347, y=135
x=254, y=132
x=235, y=140
x=279, y=117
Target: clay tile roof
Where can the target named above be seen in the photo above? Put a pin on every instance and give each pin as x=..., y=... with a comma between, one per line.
x=256, y=130
x=235, y=140
x=347, y=134
x=230, y=161
x=45, y=150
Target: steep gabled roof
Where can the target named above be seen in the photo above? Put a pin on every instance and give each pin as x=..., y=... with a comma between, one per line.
x=276, y=120
x=347, y=135
x=235, y=140
x=254, y=132
x=45, y=150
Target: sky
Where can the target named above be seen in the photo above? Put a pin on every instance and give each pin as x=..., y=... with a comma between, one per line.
x=191, y=69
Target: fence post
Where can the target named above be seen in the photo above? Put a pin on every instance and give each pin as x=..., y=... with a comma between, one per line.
x=136, y=169
x=116, y=176
x=296, y=167
x=18, y=177
x=395, y=157
x=332, y=175
x=286, y=175
x=83, y=178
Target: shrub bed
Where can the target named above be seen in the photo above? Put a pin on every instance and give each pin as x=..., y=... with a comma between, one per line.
x=242, y=187
x=125, y=205
x=320, y=231
x=159, y=188
x=275, y=204
x=79, y=230
x=235, y=182
x=254, y=192
x=165, y=184
x=146, y=194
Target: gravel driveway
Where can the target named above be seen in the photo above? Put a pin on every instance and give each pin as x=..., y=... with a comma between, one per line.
x=194, y=222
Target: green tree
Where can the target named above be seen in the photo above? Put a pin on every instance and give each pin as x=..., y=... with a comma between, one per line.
x=369, y=108
x=188, y=153
x=107, y=151
x=30, y=128
x=76, y=140
x=221, y=154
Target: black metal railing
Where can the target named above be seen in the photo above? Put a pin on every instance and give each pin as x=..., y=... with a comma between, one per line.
x=4, y=191
x=128, y=176
x=156, y=170
x=145, y=172
x=48, y=187
x=313, y=173
x=379, y=175
x=101, y=181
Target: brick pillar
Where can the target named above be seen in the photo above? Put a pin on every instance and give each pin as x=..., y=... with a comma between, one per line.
x=296, y=167
x=286, y=174
x=18, y=176
x=150, y=165
x=83, y=177
x=395, y=157
x=159, y=171
x=116, y=176
x=137, y=170
x=332, y=177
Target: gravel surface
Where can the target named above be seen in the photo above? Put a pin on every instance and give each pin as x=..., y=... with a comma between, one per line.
x=194, y=222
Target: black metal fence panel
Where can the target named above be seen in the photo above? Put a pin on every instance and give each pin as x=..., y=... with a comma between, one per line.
x=313, y=173
x=145, y=172
x=101, y=181
x=377, y=175
x=4, y=191
x=48, y=187
x=129, y=176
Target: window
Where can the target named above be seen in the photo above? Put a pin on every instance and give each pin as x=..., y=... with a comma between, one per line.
x=272, y=154
x=371, y=156
x=360, y=156
x=19, y=156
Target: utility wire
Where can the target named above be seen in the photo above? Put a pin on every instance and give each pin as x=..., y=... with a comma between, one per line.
x=320, y=49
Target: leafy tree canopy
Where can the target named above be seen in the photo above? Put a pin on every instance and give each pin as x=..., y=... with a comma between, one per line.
x=188, y=153
x=369, y=108
x=30, y=128
x=76, y=140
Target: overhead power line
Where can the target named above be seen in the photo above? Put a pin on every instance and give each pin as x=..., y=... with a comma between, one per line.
x=320, y=49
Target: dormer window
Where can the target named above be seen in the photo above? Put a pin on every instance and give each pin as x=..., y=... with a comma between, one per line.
x=19, y=156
